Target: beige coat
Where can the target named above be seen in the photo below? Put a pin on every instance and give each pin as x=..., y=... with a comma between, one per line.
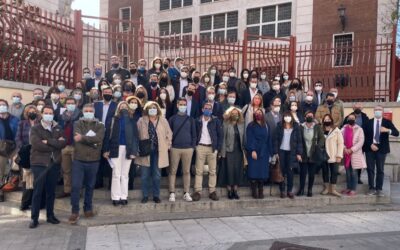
x=164, y=135
x=334, y=145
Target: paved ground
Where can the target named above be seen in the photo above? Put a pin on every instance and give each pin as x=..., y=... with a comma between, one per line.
x=354, y=230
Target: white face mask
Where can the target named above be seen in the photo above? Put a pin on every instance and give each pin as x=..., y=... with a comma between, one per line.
x=309, y=98
x=54, y=97
x=288, y=119
x=263, y=77
x=253, y=85
x=335, y=94
x=206, y=80
x=133, y=106
x=245, y=76
x=157, y=65
x=211, y=97
x=213, y=71
x=276, y=87
x=39, y=108
x=231, y=100
x=222, y=91
x=293, y=108
x=3, y=109
x=277, y=109
x=318, y=88
x=163, y=96
x=232, y=74
x=117, y=81
x=225, y=78
x=184, y=74
x=285, y=78
x=152, y=112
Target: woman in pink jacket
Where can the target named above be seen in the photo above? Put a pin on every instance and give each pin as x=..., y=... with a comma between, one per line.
x=353, y=156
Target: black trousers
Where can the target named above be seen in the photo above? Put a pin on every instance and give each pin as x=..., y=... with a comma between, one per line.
x=307, y=168
x=378, y=160
x=104, y=171
x=330, y=172
x=287, y=170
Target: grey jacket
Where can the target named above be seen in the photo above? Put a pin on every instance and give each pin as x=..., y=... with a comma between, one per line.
x=229, y=137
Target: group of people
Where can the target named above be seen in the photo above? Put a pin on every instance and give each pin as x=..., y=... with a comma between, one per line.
x=170, y=115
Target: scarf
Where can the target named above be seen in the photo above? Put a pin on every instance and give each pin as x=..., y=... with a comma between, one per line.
x=348, y=143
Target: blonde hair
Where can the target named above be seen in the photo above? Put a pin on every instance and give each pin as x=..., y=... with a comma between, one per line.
x=148, y=105
x=29, y=107
x=228, y=112
x=118, y=109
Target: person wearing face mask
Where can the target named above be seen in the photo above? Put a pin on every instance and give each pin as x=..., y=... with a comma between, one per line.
x=362, y=121
x=308, y=104
x=103, y=84
x=222, y=95
x=117, y=80
x=88, y=138
x=330, y=108
x=40, y=104
x=165, y=103
x=183, y=143
x=53, y=99
x=60, y=84
x=273, y=117
x=164, y=81
x=296, y=112
x=47, y=141
x=259, y=150
x=319, y=95
x=353, y=136
x=248, y=110
x=245, y=77
x=156, y=67
x=121, y=147
x=337, y=101
x=209, y=143
x=104, y=111
x=248, y=94
x=291, y=97
x=153, y=88
x=217, y=109
x=214, y=75
x=263, y=84
x=31, y=118
x=174, y=71
x=231, y=99
x=136, y=107
x=288, y=149
x=275, y=91
x=377, y=143
x=141, y=93
x=297, y=86
x=134, y=73
x=117, y=69
x=38, y=94
x=334, y=148
x=284, y=81
x=117, y=93
x=193, y=107
x=71, y=114
x=200, y=92
x=233, y=82
x=182, y=82
x=152, y=126
x=205, y=80
x=94, y=95
x=16, y=108
x=232, y=151
x=98, y=73
x=77, y=94
x=128, y=88
x=313, y=144
x=88, y=79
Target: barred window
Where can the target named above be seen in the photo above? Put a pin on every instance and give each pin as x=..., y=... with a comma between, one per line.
x=343, y=50
x=172, y=4
x=175, y=34
x=124, y=14
x=273, y=21
x=219, y=27
x=208, y=1
x=164, y=4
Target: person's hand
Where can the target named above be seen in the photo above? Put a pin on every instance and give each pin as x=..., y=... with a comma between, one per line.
x=44, y=141
x=276, y=157
x=348, y=151
x=384, y=130
x=132, y=157
x=61, y=139
x=106, y=155
x=299, y=158
x=374, y=147
x=77, y=137
x=254, y=155
x=338, y=159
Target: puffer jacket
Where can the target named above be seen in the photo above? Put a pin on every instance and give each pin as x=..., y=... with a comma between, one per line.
x=334, y=145
x=89, y=148
x=43, y=154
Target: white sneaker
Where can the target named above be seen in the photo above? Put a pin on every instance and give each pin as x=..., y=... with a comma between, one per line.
x=187, y=197
x=172, y=197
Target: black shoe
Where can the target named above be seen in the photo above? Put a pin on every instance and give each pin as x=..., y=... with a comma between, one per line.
x=116, y=203
x=235, y=195
x=156, y=200
x=360, y=182
x=124, y=202
x=53, y=220
x=33, y=224
x=300, y=192
x=230, y=195
x=309, y=193
x=98, y=185
x=1, y=197
x=145, y=200
x=24, y=208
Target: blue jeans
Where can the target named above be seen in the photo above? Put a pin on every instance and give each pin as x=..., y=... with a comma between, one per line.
x=351, y=178
x=44, y=178
x=151, y=174
x=83, y=173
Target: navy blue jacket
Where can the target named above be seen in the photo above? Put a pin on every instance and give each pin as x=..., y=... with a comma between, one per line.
x=194, y=111
x=214, y=128
x=186, y=136
x=111, y=141
x=245, y=97
x=202, y=93
x=98, y=112
x=384, y=146
x=13, y=122
x=296, y=142
x=218, y=110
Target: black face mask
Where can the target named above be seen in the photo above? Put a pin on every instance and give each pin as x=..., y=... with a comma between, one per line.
x=295, y=85
x=357, y=111
x=196, y=79
x=133, y=71
x=327, y=124
x=190, y=93
x=32, y=116
x=351, y=122
x=153, y=84
x=165, y=65
x=309, y=119
x=107, y=97
x=329, y=102
x=163, y=82
x=140, y=95
x=115, y=65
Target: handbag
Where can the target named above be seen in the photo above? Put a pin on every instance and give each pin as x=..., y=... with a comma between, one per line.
x=276, y=173
x=23, y=157
x=320, y=155
x=145, y=145
x=7, y=147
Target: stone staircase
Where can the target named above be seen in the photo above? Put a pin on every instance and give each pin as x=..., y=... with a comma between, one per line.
x=272, y=204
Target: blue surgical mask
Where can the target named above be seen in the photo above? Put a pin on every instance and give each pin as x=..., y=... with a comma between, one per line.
x=61, y=88
x=48, y=118
x=153, y=112
x=378, y=114
x=182, y=109
x=3, y=109
x=77, y=97
x=71, y=107
x=98, y=72
x=117, y=94
x=16, y=100
x=207, y=112
x=88, y=115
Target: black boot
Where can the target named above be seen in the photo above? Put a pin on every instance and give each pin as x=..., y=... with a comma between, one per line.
x=309, y=192
x=254, y=191
x=260, y=190
x=230, y=195
x=282, y=186
x=26, y=199
x=235, y=195
x=300, y=192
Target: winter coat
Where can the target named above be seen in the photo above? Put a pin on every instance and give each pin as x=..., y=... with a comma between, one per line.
x=334, y=145
x=164, y=135
x=318, y=140
x=296, y=142
x=357, y=157
x=228, y=141
x=88, y=149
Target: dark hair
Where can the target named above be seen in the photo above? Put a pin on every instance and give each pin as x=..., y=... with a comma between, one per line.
x=307, y=112
x=181, y=99
x=263, y=118
x=3, y=100
x=85, y=68
x=167, y=99
x=273, y=99
x=60, y=80
x=287, y=113
x=70, y=98
x=48, y=107
x=327, y=115
x=353, y=114
x=232, y=92
x=51, y=91
x=330, y=95
x=299, y=87
x=40, y=89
